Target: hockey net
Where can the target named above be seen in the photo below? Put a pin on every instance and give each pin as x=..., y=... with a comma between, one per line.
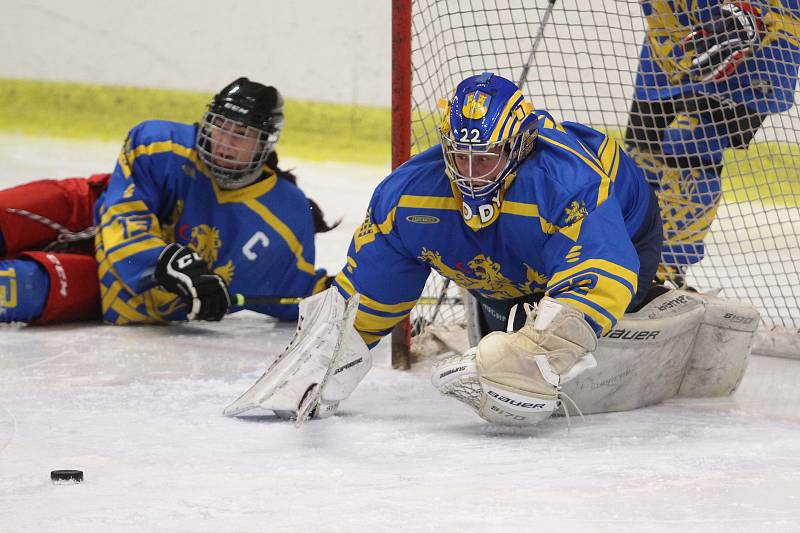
x=583, y=69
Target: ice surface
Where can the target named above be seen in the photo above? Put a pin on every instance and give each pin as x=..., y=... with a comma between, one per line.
x=138, y=409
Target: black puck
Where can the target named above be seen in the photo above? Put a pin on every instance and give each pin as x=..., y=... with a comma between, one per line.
x=66, y=476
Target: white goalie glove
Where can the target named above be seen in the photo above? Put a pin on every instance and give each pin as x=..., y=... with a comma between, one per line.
x=514, y=378
x=322, y=365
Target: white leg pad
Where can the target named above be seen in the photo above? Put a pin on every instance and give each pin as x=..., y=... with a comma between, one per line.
x=642, y=361
x=719, y=357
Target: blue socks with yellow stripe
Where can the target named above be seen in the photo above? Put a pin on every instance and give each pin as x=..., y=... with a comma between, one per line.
x=24, y=286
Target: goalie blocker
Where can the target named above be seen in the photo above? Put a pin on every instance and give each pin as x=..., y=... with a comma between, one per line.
x=680, y=344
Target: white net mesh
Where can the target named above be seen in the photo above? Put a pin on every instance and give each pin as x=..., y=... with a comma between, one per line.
x=740, y=133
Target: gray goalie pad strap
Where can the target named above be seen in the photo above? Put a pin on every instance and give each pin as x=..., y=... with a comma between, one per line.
x=719, y=357
x=642, y=361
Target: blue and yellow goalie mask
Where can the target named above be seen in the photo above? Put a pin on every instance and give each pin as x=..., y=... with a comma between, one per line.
x=487, y=131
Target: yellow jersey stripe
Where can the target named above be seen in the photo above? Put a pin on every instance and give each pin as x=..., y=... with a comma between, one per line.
x=609, y=159
x=598, y=266
x=128, y=250
x=370, y=338
x=369, y=323
x=527, y=210
x=344, y=282
x=428, y=202
x=251, y=192
x=519, y=208
x=122, y=209
x=594, y=165
x=386, y=308
x=129, y=314
x=109, y=296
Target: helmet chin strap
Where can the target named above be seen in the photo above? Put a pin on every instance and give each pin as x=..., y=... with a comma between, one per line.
x=228, y=183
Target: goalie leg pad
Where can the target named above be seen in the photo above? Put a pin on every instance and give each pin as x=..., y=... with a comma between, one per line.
x=643, y=359
x=719, y=357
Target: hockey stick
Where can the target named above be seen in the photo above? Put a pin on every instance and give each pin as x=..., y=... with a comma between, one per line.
x=523, y=78
x=243, y=299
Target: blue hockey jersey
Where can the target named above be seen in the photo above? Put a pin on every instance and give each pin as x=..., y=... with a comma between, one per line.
x=561, y=224
x=765, y=82
x=259, y=239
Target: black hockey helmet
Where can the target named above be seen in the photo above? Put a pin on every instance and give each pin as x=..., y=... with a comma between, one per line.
x=239, y=131
x=250, y=103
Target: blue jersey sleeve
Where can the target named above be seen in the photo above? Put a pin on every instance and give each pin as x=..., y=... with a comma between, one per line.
x=128, y=216
x=379, y=268
x=594, y=266
x=589, y=257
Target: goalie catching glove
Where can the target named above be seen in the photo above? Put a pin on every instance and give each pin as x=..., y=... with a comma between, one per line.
x=181, y=271
x=324, y=362
x=514, y=378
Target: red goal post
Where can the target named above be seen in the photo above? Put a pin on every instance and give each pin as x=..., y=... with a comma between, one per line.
x=584, y=70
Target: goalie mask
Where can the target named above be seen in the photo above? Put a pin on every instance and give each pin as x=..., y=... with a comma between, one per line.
x=239, y=131
x=487, y=131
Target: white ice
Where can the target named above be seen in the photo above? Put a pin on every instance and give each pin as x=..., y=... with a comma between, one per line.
x=138, y=409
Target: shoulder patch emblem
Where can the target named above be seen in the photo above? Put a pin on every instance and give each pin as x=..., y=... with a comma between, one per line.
x=422, y=219
x=575, y=211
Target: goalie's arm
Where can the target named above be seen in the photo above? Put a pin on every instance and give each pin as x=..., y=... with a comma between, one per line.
x=594, y=266
x=389, y=285
x=389, y=278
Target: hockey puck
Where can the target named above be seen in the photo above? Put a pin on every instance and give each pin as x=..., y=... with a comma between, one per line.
x=66, y=476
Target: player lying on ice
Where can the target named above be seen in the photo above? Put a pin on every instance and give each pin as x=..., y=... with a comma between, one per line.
x=517, y=209
x=191, y=214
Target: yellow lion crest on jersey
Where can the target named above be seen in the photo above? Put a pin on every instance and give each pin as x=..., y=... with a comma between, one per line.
x=490, y=280
x=205, y=240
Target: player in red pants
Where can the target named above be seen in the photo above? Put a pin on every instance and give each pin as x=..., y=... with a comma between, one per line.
x=55, y=218
x=190, y=214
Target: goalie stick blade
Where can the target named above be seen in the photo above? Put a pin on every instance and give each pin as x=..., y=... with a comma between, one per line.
x=312, y=399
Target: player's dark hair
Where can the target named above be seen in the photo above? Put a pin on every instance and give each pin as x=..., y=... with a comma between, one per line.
x=320, y=226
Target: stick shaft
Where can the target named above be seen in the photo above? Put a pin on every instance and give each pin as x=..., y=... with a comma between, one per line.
x=243, y=299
